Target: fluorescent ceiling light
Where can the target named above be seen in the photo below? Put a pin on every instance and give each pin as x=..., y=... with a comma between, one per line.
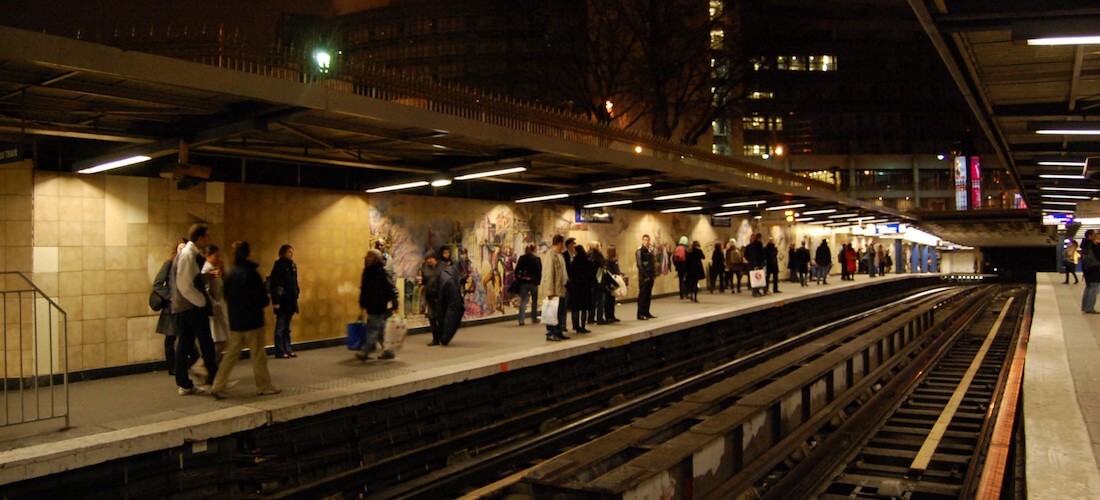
x=1066, y=196
x=744, y=203
x=1059, y=163
x=441, y=183
x=1065, y=40
x=1065, y=127
x=681, y=209
x=804, y=219
x=1072, y=204
x=694, y=194
x=622, y=188
x=785, y=207
x=758, y=217
x=1067, y=131
x=819, y=222
x=843, y=216
x=491, y=173
x=819, y=212
x=608, y=203
x=543, y=198
x=1070, y=190
x=1061, y=176
x=111, y=165
x=734, y=212
x=395, y=187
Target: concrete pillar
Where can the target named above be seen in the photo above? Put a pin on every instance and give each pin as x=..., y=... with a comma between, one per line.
x=899, y=265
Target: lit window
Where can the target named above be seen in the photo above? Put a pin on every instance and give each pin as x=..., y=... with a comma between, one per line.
x=721, y=127
x=754, y=122
x=761, y=95
x=755, y=149
x=717, y=39
x=797, y=63
x=781, y=63
x=759, y=63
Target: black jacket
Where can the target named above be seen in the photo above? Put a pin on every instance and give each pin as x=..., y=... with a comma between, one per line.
x=647, y=265
x=245, y=297
x=754, y=255
x=824, y=256
x=375, y=290
x=529, y=269
x=284, y=286
x=429, y=279
x=582, y=277
x=693, y=265
x=802, y=258
x=450, y=294
x=1091, y=275
x=771, y=258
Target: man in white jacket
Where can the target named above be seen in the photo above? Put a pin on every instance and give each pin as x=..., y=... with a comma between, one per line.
x=190, y=310
x=554, y=277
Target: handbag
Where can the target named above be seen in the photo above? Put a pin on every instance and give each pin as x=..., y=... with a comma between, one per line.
x=357, y=331
x=393, y=334
x=550, y=311
x=757, y=278
x=514, y=287
x=621, y=281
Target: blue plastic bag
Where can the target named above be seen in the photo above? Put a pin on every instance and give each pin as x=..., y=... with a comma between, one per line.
x=357, y=331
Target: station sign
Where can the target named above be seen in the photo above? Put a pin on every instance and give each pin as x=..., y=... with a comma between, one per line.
x=10, y=153
x=593, y=216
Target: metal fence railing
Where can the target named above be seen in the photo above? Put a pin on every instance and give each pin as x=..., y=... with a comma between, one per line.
x=34, y=331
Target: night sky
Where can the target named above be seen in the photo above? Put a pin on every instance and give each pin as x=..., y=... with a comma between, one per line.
x=256, y=19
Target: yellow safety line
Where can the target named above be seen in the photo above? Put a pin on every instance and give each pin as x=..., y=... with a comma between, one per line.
x=924, y=456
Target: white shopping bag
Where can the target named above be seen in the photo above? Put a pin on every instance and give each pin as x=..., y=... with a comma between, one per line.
x=550, y=312
x=621, y=291
x=393, y=334
x=757, y=279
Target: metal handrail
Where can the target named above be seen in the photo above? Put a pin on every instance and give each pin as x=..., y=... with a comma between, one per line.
x=30, y=388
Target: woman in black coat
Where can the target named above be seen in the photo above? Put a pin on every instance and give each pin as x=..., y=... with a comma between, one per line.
x=694, y=270
x=284, y=299
x=582, y=277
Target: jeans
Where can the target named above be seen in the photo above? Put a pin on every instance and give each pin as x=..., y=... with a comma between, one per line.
x=282, y=335
x=1088, y=299
x=192, y=325
x=599, y=296
x=528, y=292
x=254, y=341
x=376, y=323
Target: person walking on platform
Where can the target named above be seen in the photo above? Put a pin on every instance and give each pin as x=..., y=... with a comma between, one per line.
x=871, y=260
x=754, y=257
x=582, y=278
x=378, y=300
x=429, y=289
x=245, y=300
x=679, y=263
x=553, y=283
x=612, y=267
x=450, y=303
x=802, y=256
x=1090, y=262
x=1069, y=263
x=190, y=310
x=852, y=259
x=735, y=265
x=163, y=295
x=842, y=260
x=528, y=274
x=600, y=291
x=647, y=274
x=792, y=264
x=824, y=260
x=693, y=271
x=717, y=274
x=771, y=264
x=284, y=299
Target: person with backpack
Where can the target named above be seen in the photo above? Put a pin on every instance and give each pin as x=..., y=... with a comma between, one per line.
x=679, y=260
x=735, y=265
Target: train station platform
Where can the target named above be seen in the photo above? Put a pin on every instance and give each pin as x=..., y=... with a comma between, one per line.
x=1061, y=407
x=129, y=415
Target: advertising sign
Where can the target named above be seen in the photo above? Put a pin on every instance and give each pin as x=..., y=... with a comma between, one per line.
x=975, y=179
x=960, y=182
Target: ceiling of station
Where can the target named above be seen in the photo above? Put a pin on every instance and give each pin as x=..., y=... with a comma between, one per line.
x=1016, y=88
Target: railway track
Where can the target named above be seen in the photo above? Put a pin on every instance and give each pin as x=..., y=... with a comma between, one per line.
x=911, y=317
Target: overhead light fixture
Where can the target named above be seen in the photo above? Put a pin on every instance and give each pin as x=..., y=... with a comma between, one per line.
x=627, y=187
x=396, y=187
x=694, y=194
x=111, y=165
x=1062, y=163
x=1065, y=127
x=819, y=222
x=608, y=203
x=491, y=173
x=1072, y=204
x=820, y=212
x=681, y=209
x=1070, y=190
x=734, y=212
x=785, y=207
x=804, y=219
x=843, y=216
x=744, y=203
x=543, y=198
x=1066, y=196
x=1065, y=40
x=441, y=183
x=1061, y=176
